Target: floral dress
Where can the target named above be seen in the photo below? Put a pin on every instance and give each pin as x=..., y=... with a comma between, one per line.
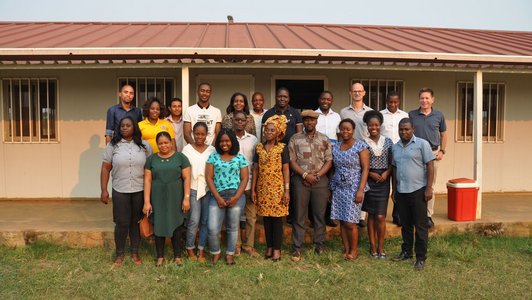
x=345, y=181
x=270, y=183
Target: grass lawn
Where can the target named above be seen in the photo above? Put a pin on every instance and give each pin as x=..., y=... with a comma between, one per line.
x=458, y=267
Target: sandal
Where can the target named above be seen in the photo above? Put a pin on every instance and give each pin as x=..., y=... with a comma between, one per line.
x=178, y=261
x=229, y=260
x=191, y=255
x=160, y=261
x=119, y=261
x=135, y=259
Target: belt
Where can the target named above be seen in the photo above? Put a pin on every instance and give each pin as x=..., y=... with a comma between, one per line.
x=434, y=148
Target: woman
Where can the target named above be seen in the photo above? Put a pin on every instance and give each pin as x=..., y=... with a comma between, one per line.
x=166, y=179
x=348, y=184
x=270, y=189
x=125, y=156
x=376, y=199
x=154, y=122
x=197, y=154
x=239, y=102
x=227, y=175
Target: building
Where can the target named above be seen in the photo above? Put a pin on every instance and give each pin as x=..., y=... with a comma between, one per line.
x=58, y=79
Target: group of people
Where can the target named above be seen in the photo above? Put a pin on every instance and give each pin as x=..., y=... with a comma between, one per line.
x=194, y=170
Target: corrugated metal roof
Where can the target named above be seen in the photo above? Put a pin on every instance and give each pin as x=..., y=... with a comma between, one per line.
x=250, y=41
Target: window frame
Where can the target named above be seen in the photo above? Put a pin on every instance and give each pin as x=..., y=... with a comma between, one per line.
x=137, y=79
x=11, y=137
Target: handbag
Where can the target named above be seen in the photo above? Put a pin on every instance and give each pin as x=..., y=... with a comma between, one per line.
x=146, y=227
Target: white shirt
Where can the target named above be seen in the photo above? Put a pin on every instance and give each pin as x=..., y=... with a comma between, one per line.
x=247, y=143
x=258, y=122
x=328, y=123
x=210, y=115
x=390, y=126
x=197, y=162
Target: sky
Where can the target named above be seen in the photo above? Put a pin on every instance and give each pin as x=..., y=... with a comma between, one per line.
x=472, y=14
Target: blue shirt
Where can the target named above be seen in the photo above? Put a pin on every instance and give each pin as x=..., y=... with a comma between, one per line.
x=411, y=164
x=115, y=113
x=227, y=173
x=428, y=127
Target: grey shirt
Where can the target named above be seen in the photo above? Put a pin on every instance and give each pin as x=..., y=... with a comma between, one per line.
x=361, y=130
x=128, y=161
x=411, y=164
x=428, y=127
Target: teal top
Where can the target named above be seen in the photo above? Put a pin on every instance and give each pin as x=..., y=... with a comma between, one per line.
x=227, y=173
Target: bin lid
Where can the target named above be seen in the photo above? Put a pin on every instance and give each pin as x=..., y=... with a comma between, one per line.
x=462, y=183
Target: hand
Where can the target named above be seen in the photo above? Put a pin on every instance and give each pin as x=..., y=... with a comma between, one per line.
x=232, y=201
x=221, y=203
x=286, y=197
x=375, y=176
x=147, y=209
x=428, y=194
x=254, y=197
x=104, y=197
x=439, y=155
x=186, y=205
x=385, y=176
x=311, y=179
x=359, y=197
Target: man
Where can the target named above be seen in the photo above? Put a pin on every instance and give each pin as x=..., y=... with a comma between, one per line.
x=328, y=122
x=413, y=169
x=390, y=129
x=247, y=143
x=257, y=101
x=356, y=112
x=203, y=112
x=282, y=107
x=125, y=108
x=175, y=118
x=310, y=160
x=429, y=125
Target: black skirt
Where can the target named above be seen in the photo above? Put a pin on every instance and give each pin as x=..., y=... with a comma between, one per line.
x=376, y=199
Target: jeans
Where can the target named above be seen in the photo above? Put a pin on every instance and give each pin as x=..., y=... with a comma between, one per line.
x=216, y=219
x=198, y=216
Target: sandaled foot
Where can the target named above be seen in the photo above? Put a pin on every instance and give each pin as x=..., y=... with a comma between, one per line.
x=119, y=261
x=159, y=262
x=191, y=255
x=178, y=261
x=215, y=258
x=269, y=253
x=229, y=260
x=135, y=259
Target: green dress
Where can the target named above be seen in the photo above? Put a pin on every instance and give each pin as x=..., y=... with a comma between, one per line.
x=167, y=192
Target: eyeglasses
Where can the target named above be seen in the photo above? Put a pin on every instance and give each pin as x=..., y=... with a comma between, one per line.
x=357, y=92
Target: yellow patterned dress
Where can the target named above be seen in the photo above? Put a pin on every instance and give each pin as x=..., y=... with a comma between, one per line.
x=270, y=183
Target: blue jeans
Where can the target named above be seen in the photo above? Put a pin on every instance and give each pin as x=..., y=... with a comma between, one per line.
x=197, y=217
x=216, y=219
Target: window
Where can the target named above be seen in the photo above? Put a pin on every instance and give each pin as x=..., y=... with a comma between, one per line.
x=378, y=89
x=492, y=111
x=30, y=110
x=146, y=87
x=304, y=90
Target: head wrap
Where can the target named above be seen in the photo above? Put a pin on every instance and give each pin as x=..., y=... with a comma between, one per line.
x=279, y=121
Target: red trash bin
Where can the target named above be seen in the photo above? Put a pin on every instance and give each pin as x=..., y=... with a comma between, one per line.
x=462, y=196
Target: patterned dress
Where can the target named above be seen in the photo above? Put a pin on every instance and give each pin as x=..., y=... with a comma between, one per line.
x=270, y=183
x=345, y=181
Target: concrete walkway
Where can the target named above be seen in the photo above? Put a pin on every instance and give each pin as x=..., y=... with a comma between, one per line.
x=88, y=223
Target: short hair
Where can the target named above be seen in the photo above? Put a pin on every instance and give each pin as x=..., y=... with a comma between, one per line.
x=405, y=121
x=353, y=83
x=173, y=100
x=147, y=104
x=392, y=94
x=326, y=92
x=373, y=114
x=205, y=83
x=239, y=112
x=200, y=124
x=230, y=107
x=137, y=135
x=426, y=90
x=124, y=85
x=347, y=120
x=257, y=94
x=282, y=89
x=235, y=146
x=161, y=134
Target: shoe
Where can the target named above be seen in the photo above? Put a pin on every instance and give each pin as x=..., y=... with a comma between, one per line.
x=250, y=251
x=191, y=255
x=418, y=266
x=331, y=223
x=430, y=223
x=178, y=261
x=374, y=255
x=216, y=258
x=229, y=260
x=268, y=254
x=119, y=261
x=277, y=256
x=238, y=250
x=135, y=259
x=402, y=256
x=319, y=249
x=296, y=255
x=381, y=255
x=362, y=223
x=159, y=262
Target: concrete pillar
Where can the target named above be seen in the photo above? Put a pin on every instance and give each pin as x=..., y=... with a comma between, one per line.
x=477, y=137
x=185, y=87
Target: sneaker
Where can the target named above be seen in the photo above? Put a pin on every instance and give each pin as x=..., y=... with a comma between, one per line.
x=296, y=255
x=381, y=255
x=402, y=256
x=418, y=266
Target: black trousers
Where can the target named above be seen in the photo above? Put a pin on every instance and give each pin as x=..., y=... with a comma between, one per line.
x=273, y=229
x=177, y=243
x=413, y=214
x=127, y=211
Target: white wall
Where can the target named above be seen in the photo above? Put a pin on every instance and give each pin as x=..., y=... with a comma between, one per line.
x=70, y=168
